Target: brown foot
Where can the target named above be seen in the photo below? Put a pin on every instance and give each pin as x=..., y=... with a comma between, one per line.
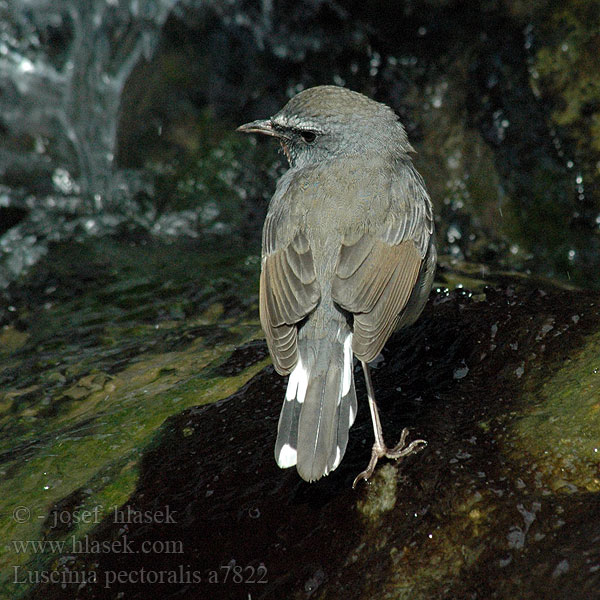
x=397, y=452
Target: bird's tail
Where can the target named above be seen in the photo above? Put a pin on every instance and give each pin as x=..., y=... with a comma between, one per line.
x=319, y=406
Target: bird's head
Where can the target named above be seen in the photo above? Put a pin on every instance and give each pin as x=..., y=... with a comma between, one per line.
x=328, y=122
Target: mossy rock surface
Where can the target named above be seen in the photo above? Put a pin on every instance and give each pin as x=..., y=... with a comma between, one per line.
x=503, y=503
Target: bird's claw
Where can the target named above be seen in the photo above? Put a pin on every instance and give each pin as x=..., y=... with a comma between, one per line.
x=397, y=452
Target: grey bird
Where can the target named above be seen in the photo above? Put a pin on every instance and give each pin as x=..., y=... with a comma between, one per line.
x=348, y=256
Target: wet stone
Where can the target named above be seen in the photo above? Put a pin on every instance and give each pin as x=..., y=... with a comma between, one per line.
x=243, y=357
x=477, y=514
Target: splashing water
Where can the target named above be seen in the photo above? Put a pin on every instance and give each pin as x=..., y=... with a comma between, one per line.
x=63, y=66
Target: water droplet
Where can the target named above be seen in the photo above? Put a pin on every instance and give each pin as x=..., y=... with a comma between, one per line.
x=338, y=80
x=26, y=66
x=63, y=181
x=561, y=568
x=461, y=372
x=504, y=562
x=453, y=234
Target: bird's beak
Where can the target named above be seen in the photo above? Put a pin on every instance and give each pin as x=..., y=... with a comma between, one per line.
x=261, y=126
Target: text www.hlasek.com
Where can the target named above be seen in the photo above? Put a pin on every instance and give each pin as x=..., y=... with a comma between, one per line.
x=87, y=546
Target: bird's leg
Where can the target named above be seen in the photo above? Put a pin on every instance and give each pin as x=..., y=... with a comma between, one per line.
x=379, y=448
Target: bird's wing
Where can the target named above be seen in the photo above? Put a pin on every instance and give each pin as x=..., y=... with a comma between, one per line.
x=378, y=266
x=288, y=291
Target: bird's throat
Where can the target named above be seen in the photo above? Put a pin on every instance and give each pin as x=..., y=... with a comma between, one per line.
x=286, y=152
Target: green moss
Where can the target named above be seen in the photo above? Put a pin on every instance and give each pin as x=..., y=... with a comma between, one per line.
x=381, y=493
x=561, y=430
x=11, y=339
x=568, y=65
x=418, y=569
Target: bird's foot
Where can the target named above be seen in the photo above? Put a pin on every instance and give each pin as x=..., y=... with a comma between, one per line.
x=397, y=452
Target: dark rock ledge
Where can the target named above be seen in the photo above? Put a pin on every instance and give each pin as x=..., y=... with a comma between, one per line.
x=503, y=503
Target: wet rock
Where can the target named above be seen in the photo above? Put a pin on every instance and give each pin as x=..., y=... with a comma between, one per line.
x=243, y=357
x=63, y=515
x=478, y=514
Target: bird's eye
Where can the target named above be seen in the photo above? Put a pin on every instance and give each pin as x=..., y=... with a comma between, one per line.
x=308, y=136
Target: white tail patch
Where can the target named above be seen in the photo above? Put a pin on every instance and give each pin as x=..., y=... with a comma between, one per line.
x=352, y=417
x=347, y=374
x=338, y=459
x=287, y=456
x=297, y=383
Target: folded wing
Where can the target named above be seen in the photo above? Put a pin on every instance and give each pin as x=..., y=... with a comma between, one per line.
x=377, y=269
x=288, y=293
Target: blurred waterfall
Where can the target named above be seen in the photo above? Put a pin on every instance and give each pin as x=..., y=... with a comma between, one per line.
x=63, y=66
